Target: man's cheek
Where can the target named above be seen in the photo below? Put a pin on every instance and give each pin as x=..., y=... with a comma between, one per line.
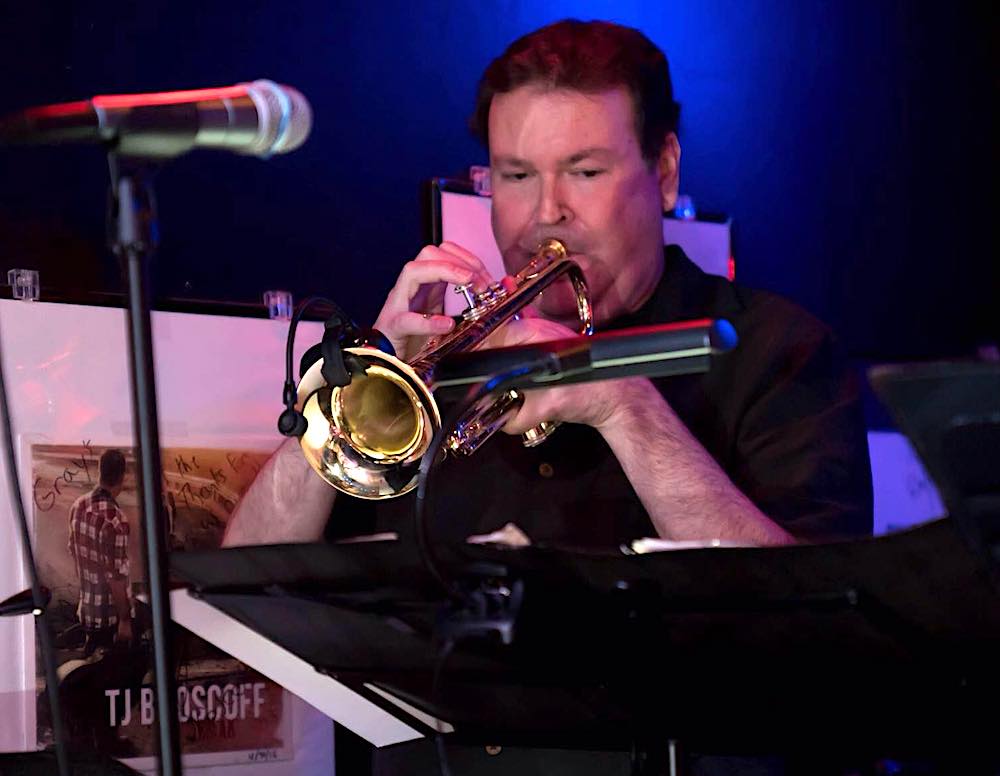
x=510, y=216
x=505, y=237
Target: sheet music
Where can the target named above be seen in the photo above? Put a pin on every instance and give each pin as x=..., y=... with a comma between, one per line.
x=643, y=546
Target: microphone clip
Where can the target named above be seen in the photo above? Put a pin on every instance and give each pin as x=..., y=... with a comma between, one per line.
x=339, y=365
x=339, y=334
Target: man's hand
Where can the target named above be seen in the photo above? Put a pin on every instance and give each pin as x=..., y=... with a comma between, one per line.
x=124, y=632
x=414, y=309
x=594, y=404
x=685, y=493
x=123, y=608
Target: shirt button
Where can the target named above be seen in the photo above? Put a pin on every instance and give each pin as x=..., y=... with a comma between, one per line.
x=545, y=469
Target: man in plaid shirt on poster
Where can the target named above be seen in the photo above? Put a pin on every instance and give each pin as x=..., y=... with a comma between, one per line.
x=98, y=542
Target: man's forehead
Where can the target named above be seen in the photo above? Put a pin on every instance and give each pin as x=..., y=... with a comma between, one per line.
x=558, y=124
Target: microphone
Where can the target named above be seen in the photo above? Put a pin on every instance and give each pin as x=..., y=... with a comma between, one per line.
x=647, y=351
x=256, y=119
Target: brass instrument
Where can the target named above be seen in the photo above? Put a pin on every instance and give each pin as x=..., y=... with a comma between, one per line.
x=367, y=438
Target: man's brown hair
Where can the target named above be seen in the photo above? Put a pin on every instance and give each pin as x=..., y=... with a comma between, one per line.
x=111, y=468
x=587, y=57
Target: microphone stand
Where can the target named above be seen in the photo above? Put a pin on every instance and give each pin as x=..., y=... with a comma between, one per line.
x=132, y=232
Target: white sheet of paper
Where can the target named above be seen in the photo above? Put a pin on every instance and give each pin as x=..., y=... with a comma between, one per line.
x=334, y=699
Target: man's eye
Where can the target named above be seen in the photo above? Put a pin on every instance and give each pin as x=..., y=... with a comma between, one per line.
x=514, y=176
x=588, y=173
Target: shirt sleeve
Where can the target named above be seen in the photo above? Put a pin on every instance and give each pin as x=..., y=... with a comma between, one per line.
x=802, y=448
x=114, y=546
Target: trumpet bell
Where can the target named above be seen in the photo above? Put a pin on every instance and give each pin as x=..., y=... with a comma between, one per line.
x=369, y=436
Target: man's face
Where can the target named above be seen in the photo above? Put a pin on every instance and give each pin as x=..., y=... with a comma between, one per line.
x=568, y=165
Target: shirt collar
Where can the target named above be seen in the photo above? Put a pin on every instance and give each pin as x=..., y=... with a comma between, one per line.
x=681, y=294
x=101, y=492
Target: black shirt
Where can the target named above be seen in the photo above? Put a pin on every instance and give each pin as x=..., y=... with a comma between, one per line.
x=780, y=414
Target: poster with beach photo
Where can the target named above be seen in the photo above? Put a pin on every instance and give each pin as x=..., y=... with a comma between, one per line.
x=87, y=530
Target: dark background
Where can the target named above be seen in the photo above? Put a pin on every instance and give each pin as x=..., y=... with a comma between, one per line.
x=851, y=141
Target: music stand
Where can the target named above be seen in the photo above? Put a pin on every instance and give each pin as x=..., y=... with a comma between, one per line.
x=950, y=412
x=880, y=646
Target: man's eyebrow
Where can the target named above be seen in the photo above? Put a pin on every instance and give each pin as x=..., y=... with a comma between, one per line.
x=510, y=161
x=598, y=152
x=588, y=153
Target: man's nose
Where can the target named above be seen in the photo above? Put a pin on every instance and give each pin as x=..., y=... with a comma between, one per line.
x=552, y=206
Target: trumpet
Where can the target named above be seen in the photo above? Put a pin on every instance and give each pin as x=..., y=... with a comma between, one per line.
x=366, y=438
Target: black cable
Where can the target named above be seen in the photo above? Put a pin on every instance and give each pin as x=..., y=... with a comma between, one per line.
x=420, y=511
x=41, y=619
x=290, y=341
x=420, y=521
x=291, y=422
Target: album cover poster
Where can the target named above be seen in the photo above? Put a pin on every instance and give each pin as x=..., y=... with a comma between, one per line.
x=88, y=540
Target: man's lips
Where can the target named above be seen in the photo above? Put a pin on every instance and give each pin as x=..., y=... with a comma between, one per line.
x=561, y=287
x=523, y=257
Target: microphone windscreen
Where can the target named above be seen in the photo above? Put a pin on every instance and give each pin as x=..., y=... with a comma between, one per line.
x=284, y=118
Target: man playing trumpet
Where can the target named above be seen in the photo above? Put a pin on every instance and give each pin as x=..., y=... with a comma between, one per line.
x=767, y=448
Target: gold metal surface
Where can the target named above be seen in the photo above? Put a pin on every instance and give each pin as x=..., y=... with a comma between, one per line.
x=376, y=412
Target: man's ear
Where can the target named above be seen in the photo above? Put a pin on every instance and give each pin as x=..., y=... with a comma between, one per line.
x=668, y=171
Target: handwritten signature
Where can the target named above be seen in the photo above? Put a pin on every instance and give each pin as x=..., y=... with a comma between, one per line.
x=200, y=493
x=78, y=470
x=82, y=470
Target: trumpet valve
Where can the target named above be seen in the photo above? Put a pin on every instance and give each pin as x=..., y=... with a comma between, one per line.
x=466, y=290
x=480, y=303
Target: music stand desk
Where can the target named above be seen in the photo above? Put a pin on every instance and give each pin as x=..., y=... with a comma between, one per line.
x=881, y=645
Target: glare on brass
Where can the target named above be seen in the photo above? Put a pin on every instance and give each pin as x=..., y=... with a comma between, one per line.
x=367, y=438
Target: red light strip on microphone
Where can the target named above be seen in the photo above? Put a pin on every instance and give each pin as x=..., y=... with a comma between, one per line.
x=111, y=101
x=62, y=109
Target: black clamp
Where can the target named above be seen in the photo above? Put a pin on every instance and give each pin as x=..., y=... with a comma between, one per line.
x=339, y=333
x=490, y=605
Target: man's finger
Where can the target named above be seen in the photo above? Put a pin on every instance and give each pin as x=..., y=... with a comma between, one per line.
x=421, y=324
x=483, y=276
x=534, y=410
x=417, y=273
